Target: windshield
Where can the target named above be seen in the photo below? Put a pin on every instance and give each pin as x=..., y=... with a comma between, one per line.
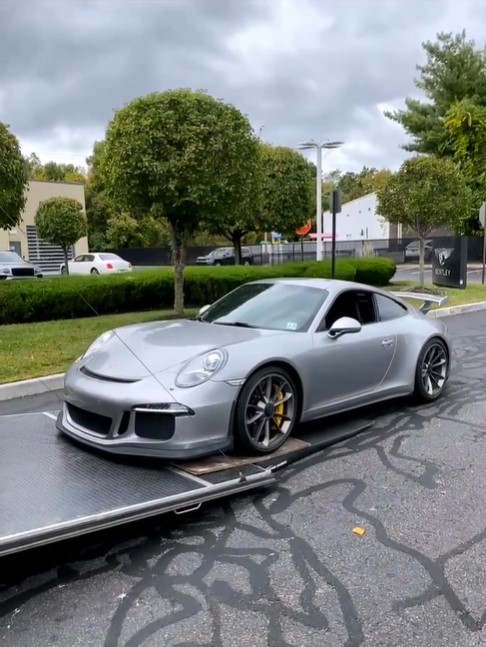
x=10, y=257
x=273, y=306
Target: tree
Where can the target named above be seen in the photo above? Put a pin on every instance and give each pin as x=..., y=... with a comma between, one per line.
x=13, y=179
x=426, y=193
x=454, y=70
x=288, y=189
x=52, y=171
x=465, y=124
x=182, y=156
x=61, y=221
x=354, y=185
x=99, y=208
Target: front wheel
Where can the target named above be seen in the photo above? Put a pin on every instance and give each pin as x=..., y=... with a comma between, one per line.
x=432, y=371
x=266, y=411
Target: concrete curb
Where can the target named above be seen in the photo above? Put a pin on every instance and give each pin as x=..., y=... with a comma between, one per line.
x=48, y=383
x=34, y=386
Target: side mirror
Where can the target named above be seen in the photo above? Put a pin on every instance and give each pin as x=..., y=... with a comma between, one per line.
x=203, y=310
x=343, y=326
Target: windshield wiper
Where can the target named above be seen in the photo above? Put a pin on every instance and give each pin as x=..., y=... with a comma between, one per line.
x=237, y=324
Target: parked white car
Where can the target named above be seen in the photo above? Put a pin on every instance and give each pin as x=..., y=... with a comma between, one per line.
x=97, y=263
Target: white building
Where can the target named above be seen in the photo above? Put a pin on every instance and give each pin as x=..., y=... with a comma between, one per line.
x=359, y=221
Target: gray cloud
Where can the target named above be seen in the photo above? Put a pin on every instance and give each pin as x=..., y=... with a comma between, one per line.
x=303, y=68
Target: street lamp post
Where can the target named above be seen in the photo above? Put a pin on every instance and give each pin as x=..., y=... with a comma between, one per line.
x=318, y=148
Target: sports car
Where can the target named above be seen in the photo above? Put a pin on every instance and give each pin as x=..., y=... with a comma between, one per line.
x=249, y=368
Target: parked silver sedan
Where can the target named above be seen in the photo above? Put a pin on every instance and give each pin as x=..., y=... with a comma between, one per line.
x=250, y=367
x=13, y=266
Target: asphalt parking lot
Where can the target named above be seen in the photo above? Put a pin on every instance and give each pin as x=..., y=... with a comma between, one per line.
x=282, y=567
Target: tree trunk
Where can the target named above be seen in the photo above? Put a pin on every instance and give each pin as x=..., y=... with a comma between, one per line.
x=236, y=240
x=421, y=261
x=66, y=263
x=178, y=256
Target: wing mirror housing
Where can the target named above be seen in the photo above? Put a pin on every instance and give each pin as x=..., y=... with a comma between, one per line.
x=203, y=310
x=344, y=326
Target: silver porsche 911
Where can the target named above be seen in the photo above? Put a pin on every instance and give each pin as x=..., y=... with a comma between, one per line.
x=250, y=367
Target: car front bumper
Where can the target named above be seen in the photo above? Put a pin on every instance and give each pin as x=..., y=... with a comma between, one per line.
x=147, y=418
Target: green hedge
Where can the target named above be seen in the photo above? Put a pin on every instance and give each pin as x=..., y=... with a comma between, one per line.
x=55, y=298
x=373, y=271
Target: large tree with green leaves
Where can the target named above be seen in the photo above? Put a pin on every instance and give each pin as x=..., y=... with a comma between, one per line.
x=455, y=69
x=182, y=156
x=288, y=189
x=13, y=179
x=465, y=125
x=61, y=221
x=426, y=193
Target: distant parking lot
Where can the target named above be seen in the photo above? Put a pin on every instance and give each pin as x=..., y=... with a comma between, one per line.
x=411, y=273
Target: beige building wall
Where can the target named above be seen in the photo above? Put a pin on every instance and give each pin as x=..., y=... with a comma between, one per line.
x=37, y=192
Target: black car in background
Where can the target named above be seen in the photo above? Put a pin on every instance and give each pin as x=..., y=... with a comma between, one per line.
x=13, y=266
x=225, y=256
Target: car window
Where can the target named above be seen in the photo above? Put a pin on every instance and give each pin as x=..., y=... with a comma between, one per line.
x=357, y=304
x=109, y=257
x=389, y=309
x=79, y=259
x=272, y=306
x=89, y=258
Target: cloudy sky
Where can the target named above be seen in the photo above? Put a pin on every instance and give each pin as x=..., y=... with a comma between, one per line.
x=299, y=69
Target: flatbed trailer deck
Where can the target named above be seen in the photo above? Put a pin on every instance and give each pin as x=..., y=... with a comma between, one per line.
x=53, y=489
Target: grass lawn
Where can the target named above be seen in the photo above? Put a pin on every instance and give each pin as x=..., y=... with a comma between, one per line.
x=37, y=349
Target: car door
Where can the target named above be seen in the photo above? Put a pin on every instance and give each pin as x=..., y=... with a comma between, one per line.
x=76, y=265
x=351, y=366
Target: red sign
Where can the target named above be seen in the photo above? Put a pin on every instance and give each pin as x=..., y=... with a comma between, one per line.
x=303, y=231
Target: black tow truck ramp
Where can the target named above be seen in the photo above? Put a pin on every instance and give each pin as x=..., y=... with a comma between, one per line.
x=52, y=489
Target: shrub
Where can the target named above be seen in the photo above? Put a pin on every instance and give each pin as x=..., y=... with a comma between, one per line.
x=374, y=271
x=73, y=297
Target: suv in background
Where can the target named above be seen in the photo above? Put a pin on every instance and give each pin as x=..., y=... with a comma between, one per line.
x=225, y=256
x=13, y=266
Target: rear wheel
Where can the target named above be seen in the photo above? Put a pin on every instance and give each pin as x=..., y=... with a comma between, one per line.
x=266, y=411
x=432, y=371
x=94, y=271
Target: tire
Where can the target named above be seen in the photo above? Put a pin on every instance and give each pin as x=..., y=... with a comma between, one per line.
x=94, y=272
x=250, y=438
x=63, y=270
x=431, y=376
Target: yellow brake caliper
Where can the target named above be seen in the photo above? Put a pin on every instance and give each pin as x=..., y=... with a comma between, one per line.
x=279, y=410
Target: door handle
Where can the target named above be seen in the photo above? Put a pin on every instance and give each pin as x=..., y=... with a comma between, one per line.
x=387, y=342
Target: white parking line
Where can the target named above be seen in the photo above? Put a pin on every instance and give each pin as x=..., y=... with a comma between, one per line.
x=49, y=414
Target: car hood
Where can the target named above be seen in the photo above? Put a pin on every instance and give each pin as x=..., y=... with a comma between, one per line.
x=16, y=264
x=138, y=351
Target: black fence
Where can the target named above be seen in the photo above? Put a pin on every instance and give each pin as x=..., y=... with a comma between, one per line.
x=403, y=250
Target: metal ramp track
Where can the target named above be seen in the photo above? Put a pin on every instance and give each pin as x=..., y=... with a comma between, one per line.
x=51, y=489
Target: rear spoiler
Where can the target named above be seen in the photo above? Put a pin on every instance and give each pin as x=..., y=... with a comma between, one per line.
x=428, y=300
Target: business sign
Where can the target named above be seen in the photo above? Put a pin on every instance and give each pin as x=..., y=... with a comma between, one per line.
x=449, y=262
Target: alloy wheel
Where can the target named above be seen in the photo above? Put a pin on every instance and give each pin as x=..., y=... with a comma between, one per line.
x=270, y=411
x=434, y=369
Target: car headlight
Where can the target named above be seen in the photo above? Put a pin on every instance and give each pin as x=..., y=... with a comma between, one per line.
x=201, y=368
x=98, y=343
x=5, y=270
x=37, y=269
